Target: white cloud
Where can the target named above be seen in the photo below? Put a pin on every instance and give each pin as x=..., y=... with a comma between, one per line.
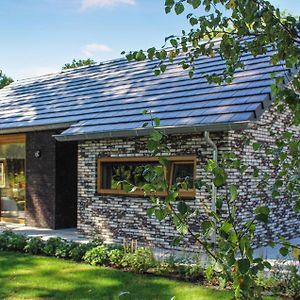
x=85, y=4
x=92, y=49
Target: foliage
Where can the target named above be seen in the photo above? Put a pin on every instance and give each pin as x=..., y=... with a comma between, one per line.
x=78, y=63
x=77, y=253
x=230, y=29
x=34, y=245
x=4, y=80
x=12, y=241
x=115, y=257
x=136, y=259
x=51, y=245
x=96, y=256
x=140, y=260
x=283, y=280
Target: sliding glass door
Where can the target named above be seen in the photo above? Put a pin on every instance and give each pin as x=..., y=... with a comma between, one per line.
x=12, y=179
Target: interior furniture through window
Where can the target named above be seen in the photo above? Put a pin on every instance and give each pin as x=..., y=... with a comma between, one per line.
x=12, y=178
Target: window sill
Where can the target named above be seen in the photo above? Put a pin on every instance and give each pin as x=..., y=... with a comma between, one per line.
x=190, y=194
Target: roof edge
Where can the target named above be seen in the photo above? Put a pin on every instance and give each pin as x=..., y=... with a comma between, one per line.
x=35, y=128
x=146, y=131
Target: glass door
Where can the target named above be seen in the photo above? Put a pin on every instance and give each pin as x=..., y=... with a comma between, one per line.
x=12, y=182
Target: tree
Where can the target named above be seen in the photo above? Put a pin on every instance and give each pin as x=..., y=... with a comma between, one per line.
x=241, y=26
x=78, y=63
x=4, y=80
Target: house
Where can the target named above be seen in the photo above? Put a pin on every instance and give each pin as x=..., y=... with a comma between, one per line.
x=67, y=138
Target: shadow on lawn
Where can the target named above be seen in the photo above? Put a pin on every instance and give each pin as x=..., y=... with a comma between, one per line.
x=33, y=277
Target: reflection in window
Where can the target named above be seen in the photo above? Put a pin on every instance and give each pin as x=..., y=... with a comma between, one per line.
x=12, y=182
x=114, y=173
x=183, y=172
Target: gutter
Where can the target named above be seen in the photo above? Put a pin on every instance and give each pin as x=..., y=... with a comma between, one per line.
x=213, y=187
x=146, y=131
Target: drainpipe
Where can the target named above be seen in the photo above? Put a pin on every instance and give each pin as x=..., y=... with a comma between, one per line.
x=213, y=187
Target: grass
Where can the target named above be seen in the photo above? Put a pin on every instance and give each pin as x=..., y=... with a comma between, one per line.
x=35, y=277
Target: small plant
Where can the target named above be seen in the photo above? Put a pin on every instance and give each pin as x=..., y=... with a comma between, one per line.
x=51, y=245
x=139, y=261
x=77, y=253
x=293, y=285
x=34, y=245
x=115, y=257
x=63, y=249
x=194, y=272
x=12, y=241
x=96, y=256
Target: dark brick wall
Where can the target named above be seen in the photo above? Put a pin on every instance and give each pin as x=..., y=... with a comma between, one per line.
x=40, y=179
x=51, y=181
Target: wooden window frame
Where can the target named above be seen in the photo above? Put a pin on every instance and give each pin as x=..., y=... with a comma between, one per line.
x=191, y=193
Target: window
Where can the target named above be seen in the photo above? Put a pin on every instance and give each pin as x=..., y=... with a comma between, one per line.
x=112, y=172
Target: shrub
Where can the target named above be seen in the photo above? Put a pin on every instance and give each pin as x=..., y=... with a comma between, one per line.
x=12, y=241
x=115, y=257
x=139, y=261
x=63, y=250
x=194, y=272
x=50, y=246
x=77, y=253
x=293, y=284
x=97, y=256
x=34, y=245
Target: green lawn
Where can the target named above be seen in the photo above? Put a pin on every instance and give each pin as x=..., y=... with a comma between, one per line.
x=34, y=277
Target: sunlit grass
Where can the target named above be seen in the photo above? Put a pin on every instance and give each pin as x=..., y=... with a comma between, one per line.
x=33, y=277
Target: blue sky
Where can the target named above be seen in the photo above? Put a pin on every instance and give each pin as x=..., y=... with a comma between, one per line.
x=40, y=36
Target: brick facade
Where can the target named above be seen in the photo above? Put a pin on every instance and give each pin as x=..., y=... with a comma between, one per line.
x=115, y=218
x=51, y=181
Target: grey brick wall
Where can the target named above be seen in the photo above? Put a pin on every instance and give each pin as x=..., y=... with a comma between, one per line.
x=115, y=218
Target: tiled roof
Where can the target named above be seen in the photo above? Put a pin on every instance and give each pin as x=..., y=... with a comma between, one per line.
x=110, y=97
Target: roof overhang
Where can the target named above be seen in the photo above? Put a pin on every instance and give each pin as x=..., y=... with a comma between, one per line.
x=35, y=128
x=146, y=131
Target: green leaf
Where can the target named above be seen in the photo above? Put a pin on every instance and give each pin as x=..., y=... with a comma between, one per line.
x=150, y=211
x=284, y=251
x=196, y=3
x=256, y=146
x=163, y=161
x=233, y=192
x=159, y=214
x=156, y=121
x=226, y=226
x=171, y=197
x=152, y=145
x=267, y=265
x=179, y=8
x=198, y=184
x=182, y=207
x=156, y=135
x=219, y=203
x=262, y=213
x=243, y=265
x=206, y=226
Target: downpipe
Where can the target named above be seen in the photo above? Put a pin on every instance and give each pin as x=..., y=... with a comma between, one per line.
x=213, y=187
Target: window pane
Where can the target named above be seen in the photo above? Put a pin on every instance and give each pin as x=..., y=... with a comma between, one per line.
x=182, y=172
x=12, y=182
x=132, y=172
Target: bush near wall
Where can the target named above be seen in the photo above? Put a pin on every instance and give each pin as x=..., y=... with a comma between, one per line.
x=137, y=259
